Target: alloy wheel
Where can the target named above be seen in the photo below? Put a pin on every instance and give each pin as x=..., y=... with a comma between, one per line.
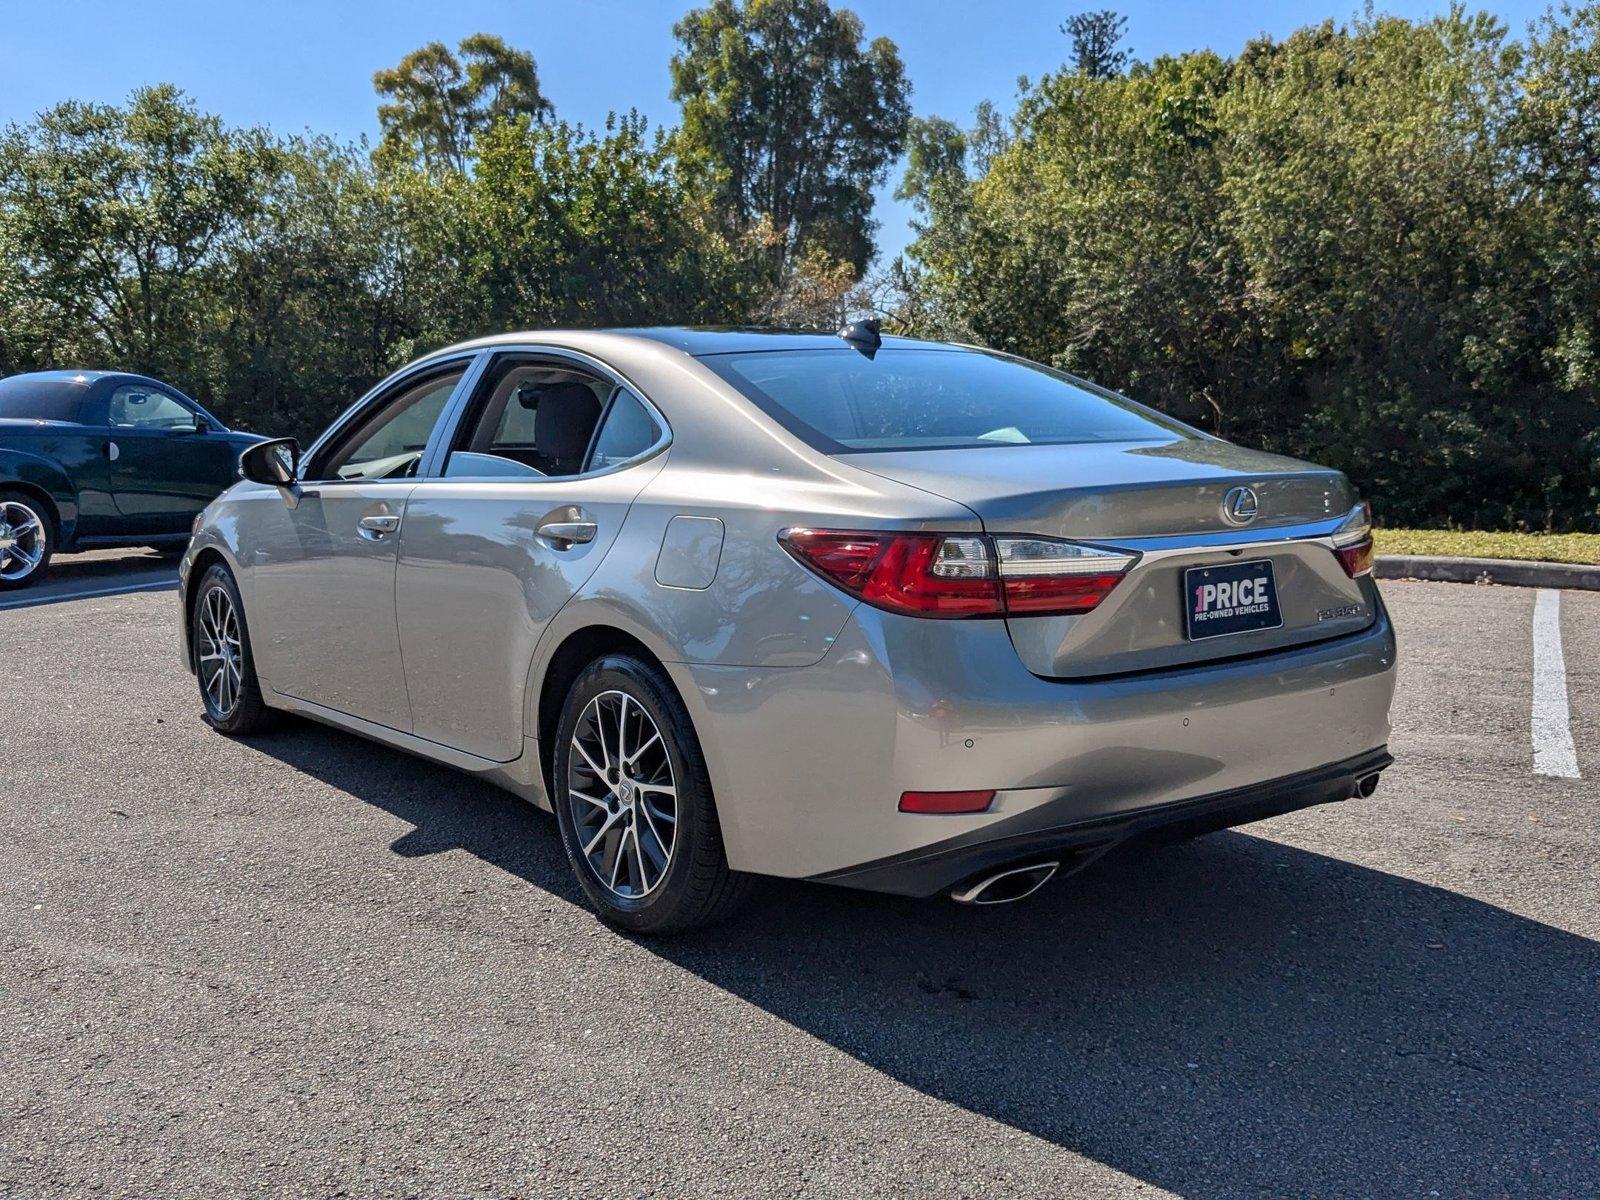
x=22, y=541
x=622, y=795
x=221, y=657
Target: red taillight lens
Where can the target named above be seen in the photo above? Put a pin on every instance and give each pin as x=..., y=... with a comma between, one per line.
x=945, y=802
x=1043, y=575
x=1068, y=594
x=846, y=558
x=1357, y=559
x=1352, y=541
x=907, y=572
x=961, y=574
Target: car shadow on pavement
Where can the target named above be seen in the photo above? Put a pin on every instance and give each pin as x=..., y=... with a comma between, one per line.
x=1228, y=1017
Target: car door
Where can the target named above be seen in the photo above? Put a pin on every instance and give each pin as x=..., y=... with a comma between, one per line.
x=517, y=513
x=167, y=459
x=322, y=604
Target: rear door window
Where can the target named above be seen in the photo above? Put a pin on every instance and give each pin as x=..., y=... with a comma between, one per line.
x=841, y=401
x=530, y=418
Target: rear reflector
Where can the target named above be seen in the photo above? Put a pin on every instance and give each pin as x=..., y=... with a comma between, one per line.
x=946, y=802
x=960, y=574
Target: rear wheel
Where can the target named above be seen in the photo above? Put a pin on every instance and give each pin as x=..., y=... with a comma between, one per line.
x=219, y=644
x=27, y=540
x=634, y=803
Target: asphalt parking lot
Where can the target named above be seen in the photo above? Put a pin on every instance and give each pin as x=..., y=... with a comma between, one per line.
x=310, y=966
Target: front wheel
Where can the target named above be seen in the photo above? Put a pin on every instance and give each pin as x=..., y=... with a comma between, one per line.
x=27, y=540
x=219, y=643
x=634, y=803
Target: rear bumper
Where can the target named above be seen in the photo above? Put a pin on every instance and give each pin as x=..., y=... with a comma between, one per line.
x=808, y=763
x=1049, y=833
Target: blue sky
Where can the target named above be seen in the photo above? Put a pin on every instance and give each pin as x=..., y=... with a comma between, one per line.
x=297, y=65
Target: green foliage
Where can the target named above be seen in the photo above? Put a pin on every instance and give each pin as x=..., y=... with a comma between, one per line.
x=276, y=279
x=558, y=226
x=1374, y=246
x=796, y=118
x=438, y=102
x=111, y=218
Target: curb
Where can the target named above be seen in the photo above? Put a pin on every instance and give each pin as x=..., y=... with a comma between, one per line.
x=1487, y=570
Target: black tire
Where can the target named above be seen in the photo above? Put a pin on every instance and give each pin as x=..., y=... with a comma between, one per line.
x=696, y=887
x=238, y=708
x=10, y=503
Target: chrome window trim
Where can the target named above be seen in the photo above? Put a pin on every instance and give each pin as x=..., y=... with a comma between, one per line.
x=432, y=465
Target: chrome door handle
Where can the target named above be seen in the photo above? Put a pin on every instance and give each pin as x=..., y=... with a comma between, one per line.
x=571, y=532
x=376, y=528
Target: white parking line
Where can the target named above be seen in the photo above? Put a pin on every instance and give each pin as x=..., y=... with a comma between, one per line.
x=35, y=601
x=1553, y=751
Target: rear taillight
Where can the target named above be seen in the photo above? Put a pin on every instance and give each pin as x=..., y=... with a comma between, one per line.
x=1352, y=541
x=1043, y=575
x=960, y=574
x=1357, y=559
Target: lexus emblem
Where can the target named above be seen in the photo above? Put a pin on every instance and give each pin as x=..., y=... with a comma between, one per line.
x=1239, y=506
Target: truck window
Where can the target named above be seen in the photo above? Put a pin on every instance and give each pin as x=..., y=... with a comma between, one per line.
x=40, y=399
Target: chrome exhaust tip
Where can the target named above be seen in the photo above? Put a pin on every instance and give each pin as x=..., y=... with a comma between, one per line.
x=1004, y=887
x=1366, y=785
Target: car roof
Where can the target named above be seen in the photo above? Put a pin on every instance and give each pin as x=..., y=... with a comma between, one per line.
x=82, y=378
x=700, y=340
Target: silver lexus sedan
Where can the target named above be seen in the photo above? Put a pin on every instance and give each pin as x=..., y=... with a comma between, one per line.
x=884, y=613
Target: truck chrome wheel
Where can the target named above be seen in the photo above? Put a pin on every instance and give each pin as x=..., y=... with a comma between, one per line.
x=221, y=652
x=23, y=541
x=622, y=795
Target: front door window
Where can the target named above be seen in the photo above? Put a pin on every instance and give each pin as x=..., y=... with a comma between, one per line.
x=388, y=444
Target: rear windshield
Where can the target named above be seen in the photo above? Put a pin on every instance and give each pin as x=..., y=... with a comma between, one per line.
x=841, y=401
x=40, y=399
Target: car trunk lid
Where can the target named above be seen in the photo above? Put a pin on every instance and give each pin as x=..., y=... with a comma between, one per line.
x=1169, y=501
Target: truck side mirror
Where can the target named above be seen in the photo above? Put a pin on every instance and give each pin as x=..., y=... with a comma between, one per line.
x=273, y=463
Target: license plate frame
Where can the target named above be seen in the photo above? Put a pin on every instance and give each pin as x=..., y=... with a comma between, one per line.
x=1210, y=614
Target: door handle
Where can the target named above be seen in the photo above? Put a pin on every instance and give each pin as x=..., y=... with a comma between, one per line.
x=376, y=528
x=570, y=532
x=113, y=452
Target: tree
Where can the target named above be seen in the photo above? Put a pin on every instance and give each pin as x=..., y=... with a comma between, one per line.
x=113, y=219
x=796, y=117
x=1094, y=43
x=438, y=102
x=557, y=225
x=1371, y=245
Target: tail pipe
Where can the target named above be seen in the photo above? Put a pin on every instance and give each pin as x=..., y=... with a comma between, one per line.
x=1014, y=883
x=1366, y=785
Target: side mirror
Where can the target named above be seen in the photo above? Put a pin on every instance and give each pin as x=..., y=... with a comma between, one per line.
x=273, y=463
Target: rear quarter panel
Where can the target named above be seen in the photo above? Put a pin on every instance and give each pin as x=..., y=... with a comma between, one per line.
x=64, y=463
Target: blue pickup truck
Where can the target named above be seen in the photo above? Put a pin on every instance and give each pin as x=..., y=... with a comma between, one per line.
x=100, y=458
